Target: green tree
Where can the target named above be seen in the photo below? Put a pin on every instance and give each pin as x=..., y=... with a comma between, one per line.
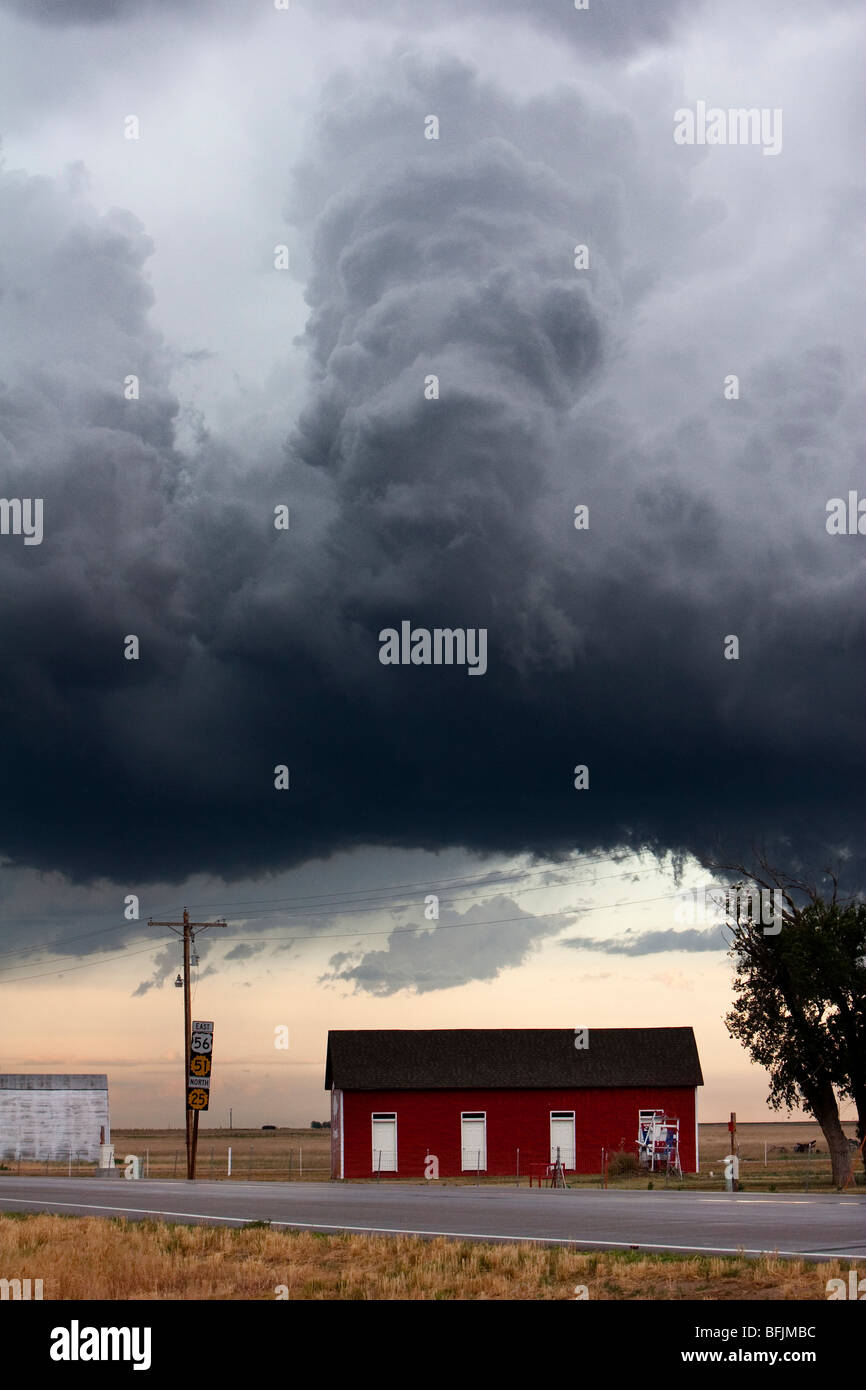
x=800, y=1000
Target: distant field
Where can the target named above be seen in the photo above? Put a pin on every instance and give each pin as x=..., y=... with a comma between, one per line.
x=785, y=1170
x=715, y=1139
x=257, y=1155
x=304, y=1154
x=88, y=1258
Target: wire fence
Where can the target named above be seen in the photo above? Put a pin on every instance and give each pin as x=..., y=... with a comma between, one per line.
x=68, y=1162
x=762, y=1167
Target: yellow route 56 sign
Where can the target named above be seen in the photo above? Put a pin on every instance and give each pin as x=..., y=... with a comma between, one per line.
x=197, y=1100
x=200, y=1065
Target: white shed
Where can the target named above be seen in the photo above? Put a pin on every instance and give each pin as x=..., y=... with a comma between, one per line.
x=44, y=1116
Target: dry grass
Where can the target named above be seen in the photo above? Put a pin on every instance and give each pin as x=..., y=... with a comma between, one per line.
x=272, y=1155
x=89, y=1258
x=779, y=1134
x=257, y=1155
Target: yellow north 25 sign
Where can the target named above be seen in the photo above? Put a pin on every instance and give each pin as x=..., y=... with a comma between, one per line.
x=199, y=1066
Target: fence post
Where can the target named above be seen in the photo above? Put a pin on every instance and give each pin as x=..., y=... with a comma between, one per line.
x=517, y=1174
x=174, y=1174
x=230, y=1162
x=147, y=1163
x=290, y=1165
x=300, y=1160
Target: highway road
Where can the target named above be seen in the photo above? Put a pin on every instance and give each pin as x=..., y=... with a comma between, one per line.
x=820, y=1226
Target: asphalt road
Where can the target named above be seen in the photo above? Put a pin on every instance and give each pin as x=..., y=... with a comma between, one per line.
x=824, y=1226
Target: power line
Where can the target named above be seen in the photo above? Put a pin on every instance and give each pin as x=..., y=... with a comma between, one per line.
x=446, y=926
x=339, y=911
x=102, y=931
x=353, y=936
x=347, y=910
x=457, y=880
x=88, y=965
x=192, y=1092
x=483, y=881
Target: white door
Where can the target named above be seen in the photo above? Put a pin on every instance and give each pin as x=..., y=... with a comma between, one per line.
x=562, y=1138
x=474, y=1142
x=384, y=1143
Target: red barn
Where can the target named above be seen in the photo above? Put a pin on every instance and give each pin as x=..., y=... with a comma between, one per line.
x=503, y=1100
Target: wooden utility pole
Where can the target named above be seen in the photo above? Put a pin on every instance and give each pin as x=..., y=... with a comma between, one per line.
x=189, y=930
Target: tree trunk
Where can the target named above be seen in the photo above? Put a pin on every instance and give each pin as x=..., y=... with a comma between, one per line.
x=822, y=1103
x=860, y=1102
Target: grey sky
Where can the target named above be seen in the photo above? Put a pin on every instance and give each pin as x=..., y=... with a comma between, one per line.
x=558, y=387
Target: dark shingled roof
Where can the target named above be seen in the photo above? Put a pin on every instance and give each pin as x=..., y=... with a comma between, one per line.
x=513, y=1058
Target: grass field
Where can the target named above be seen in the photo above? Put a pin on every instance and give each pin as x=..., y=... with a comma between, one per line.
x=257, y=1155
x=784, y=1170
x=304, y=1154
x=88, y=1258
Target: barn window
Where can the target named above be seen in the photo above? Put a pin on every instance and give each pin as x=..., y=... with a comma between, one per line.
x=385, y=1142
x=473, y=1141
x=562, y=1137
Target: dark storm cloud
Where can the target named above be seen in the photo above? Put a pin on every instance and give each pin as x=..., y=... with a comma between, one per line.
x=66, y=12
x=617, y=27
x=260, y=648
x=164, y=966
x=168, y=963
x=244, y=952
x=474, y=945
x=652, y=943
x=69, y=11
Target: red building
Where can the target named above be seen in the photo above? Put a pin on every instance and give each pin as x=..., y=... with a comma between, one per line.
x=504, y=1100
